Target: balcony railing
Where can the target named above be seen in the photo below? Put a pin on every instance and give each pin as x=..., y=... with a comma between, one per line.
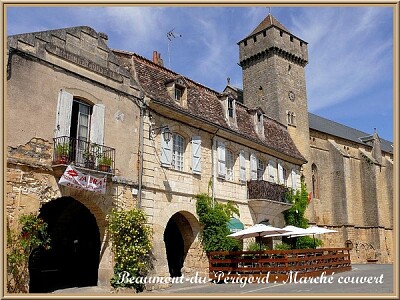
x=83, y=154
x=261, y=189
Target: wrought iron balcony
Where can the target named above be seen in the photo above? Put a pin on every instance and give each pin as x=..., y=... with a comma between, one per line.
x=83, y=154
x=261, y=189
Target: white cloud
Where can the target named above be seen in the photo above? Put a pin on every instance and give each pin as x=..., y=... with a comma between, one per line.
x=347, y=52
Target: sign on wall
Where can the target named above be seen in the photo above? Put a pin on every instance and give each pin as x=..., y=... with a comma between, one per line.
x=78, y=180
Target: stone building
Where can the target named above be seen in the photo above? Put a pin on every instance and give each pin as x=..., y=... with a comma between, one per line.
x=214, y=138
x=171, y=138
x=69, y=102
x=350, y=173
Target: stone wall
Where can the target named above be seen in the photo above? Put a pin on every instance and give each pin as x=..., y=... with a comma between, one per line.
x=355, y=198
x=31, y=182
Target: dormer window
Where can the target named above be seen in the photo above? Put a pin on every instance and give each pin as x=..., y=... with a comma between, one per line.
x=177, y=90
x=230, y=107
x=178, y=93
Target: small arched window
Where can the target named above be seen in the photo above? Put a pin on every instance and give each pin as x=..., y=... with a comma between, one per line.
x=315, y=181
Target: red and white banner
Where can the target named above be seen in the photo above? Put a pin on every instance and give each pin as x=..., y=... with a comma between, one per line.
x=78, y=180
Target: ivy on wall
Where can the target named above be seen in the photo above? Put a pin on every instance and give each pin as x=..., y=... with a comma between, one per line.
x=295, y=217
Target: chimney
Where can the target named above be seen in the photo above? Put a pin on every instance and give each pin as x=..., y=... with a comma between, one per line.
x=157, y=58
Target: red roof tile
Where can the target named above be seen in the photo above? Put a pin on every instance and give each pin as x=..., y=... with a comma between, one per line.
x=203, y=103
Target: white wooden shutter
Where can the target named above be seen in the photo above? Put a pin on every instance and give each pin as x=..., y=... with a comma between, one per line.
x=64, y=112
x=221, y=159
x=196, y=154
x=166, y=151
x=253, y=167
x=97, y=124
x=271, y=171
x=294, y=180
x=280, y=174
x=242, y=165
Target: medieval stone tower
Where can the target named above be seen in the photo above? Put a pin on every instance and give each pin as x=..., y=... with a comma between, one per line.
x=273, y=64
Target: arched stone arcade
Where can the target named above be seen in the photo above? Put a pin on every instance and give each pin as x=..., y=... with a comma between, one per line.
x=74, y=256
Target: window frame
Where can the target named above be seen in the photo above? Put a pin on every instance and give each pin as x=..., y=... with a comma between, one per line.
x=178, y=152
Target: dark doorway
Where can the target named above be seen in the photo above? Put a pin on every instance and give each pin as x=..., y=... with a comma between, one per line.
x=73, y=259
x=175, y=248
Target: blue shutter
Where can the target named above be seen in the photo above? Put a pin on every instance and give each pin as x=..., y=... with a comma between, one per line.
x=64, y=112
x=196, y=154
x=221, y=159
x=166, y=151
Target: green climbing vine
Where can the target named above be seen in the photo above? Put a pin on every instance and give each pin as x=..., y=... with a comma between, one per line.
x=30, y=233
x=295, y=216
x=131, y=244
x=214, y=219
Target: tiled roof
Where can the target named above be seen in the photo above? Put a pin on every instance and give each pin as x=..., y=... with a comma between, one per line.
x=203, y=103
x=268, y=22
x=327, y=126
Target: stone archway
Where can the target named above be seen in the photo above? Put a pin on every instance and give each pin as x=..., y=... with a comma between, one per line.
x=179, y=235
x=73, y=259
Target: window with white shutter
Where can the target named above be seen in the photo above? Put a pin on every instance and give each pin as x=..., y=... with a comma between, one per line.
x=178, y=151
x=64, y=112
x=97, y=124
x=253, y=167
x=271, y=171
x=242, y=165
x=196, y=154
x=221, y=159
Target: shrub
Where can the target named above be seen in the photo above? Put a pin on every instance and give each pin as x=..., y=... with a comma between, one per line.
x=254, y=246
x=282, y=246
x=31, y=233
x=131, y=245
x=214, y=219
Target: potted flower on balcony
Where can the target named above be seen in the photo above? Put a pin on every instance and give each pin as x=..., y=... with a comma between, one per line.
x=104, y=163
x=62, y=151
x=89, y=159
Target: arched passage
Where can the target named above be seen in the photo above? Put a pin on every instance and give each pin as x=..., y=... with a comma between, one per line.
x=73, y=259
x=179, y=234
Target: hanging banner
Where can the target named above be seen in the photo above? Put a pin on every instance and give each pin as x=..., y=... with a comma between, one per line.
x=78, y=180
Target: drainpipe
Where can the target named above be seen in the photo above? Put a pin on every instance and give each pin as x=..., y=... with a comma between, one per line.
x=141, y=142
x=212, y=168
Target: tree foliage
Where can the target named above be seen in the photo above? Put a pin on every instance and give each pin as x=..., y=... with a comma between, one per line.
x=295, y=216
x=131, y=245
x=30, y=233
x=214, y=219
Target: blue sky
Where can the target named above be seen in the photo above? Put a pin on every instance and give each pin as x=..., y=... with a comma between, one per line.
x=350, y=69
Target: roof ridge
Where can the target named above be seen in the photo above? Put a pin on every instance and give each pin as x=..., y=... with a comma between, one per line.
x=153, y=64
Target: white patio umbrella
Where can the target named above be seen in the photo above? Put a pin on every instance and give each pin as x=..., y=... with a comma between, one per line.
x=313, y=230
x=292, y=231
x=257, y=230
